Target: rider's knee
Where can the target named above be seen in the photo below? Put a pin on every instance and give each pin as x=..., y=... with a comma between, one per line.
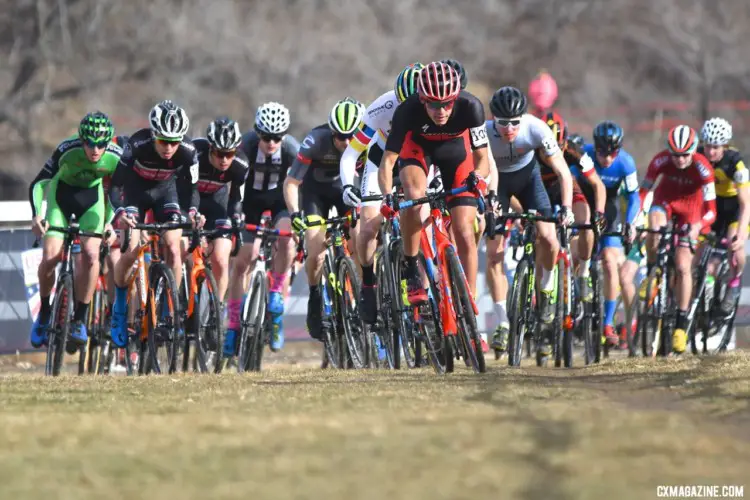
x=89, y=255
x=547, y=238
x=173, y=251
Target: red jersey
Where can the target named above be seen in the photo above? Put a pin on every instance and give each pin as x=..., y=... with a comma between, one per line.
x=691, y=187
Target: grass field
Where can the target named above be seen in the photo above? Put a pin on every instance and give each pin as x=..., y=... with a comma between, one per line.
x=611, y=431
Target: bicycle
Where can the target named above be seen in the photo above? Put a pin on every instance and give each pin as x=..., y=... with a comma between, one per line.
x=705, y=302
x=157, y=319
x=450, y=311
x=63, y=303
x=98, y=347
x=202, y=305
x=255, y=329
x=344, y=335
x=656, y=314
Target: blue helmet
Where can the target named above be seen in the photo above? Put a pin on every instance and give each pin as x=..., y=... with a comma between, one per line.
x=608, y=137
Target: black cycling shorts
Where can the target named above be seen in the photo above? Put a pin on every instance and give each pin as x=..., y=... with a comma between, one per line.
x=527, y=186
x=318, y=199
x=257, y=202
x=727, y=215
x=160, y=197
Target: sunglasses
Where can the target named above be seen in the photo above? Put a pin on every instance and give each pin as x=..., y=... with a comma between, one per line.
x=607, y=152
x=343, y=137
x=271, y=137
x=505, y=122
x=97, y=145
x=165, y=142
x=223, y=154
x=439, y=105
x=681, y=155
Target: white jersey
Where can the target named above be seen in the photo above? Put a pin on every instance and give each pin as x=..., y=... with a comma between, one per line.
x=533, y=134
x=377, y=122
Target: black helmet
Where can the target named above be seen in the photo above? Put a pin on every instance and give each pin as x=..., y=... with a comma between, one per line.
x=508, y=102
x=608, y=137
x=459, y=69
x=576, y=142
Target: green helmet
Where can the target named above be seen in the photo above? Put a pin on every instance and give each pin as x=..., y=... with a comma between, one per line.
x=96, y=128
x=406, y=81
x=346, y=115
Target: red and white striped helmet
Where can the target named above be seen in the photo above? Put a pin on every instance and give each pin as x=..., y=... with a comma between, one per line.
x=682, y=140
x=438, y=82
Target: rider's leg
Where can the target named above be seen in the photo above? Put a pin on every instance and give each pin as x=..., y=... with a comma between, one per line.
x=242, y=264
x=585, y=246
x=463, y=216
x=497, y=283
x=737, y=262
x=282, y=262
x=684, y=283
x=611, y=257
x=414, y=182
x=369, y=223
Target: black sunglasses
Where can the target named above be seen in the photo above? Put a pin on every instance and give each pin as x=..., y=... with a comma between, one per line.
x=343, y=137
x=98, y=145
x=224, y=154
x=271, y=137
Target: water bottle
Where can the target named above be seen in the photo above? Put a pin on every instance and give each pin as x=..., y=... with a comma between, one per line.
x=708, y=292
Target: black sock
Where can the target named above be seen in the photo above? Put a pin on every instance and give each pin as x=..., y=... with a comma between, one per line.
x=314, y=289
x=411, y=268
x=82, y=312
x=45, y=310
x=682, y=320
x=368, y=275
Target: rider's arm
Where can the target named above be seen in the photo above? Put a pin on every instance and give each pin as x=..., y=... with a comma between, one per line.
x=237, y=189
x=630, y=177
x=392, y=148
x=478, y=139
x=38, y=186
x=297, y=173
x=348, y=165
x=493, y=170
x=116, y=188
x=550, y=150
x=709, y=192
x=652, y=173
x=588, y=172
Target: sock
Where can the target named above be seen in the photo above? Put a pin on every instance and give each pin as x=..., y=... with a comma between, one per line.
x=121, y=300
x=45, y=310
x=368, y=275
x=411, y=267
x=277, y=282
x=501, y=313
x=315, y=289
x=610, y=307
x=584, y=267
x=233, y=308
x=682, y=320
x=548, y=279
x=81, y=312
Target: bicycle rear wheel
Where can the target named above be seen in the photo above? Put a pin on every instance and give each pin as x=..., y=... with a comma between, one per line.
x=520, y=301
x=466, y=320
x=209, y=341
x=253, y=320
x=97, y=313
x=649, y=320
x=164, y=320
x=348, y=286
x=60, y=318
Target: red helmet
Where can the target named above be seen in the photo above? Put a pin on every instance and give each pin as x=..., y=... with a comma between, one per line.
x=558, y=126
x=438, y=82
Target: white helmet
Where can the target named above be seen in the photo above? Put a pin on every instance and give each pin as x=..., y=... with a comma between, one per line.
x=272, y=118
x=168, y=121
x=224, y=134
x=716, y=132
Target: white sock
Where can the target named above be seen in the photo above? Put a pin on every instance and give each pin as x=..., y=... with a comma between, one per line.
x=548, y=279
x=501, y=313
x=583, y=268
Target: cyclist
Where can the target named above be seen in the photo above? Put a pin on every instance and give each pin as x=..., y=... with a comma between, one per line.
x=615, y=167
x=732, y=199
x=270, y=150
x=446, y=124
x=581, y=165
x=72, y=179
x=146, y=179
x=371, y=136
x=686, y=191
x=514, y=136
x=316, y=169
x=222, y=169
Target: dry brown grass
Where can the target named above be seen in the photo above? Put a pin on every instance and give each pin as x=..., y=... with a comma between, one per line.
x=614, y=431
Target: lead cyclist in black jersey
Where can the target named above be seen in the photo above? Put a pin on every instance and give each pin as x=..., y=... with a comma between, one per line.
x=156, y=159
x=270, y=152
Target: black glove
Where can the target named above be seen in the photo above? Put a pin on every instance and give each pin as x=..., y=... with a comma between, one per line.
x=600, y=221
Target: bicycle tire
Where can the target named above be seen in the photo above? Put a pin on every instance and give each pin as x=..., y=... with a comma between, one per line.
x=430, y=325
x=565, y=278
x=348, y=287
x=385, y=328
x=466, y=320
x=164, y=320
x=60, y=322
x=649, y=323
x=397, y=333
x=209, y=342
x=334, y=344
x=94, y=336
x=252, y=323
x=519, y=301
x=557, y=323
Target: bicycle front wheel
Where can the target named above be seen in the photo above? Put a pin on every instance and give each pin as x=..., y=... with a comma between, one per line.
x=430, y=325
x=520, y=301
x=348, y=288
x=164, y=319
x=466, y=320
x=253, y=319
x=62, y=312
x=209, y=342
